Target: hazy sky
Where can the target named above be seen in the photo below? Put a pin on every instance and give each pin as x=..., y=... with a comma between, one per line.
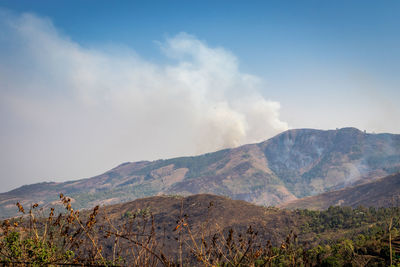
x=87, y=85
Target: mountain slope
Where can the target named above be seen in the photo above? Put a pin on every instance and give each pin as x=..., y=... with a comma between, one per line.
x=311, y=162
x=217, y=212
x=291, y=165
x=384, y=192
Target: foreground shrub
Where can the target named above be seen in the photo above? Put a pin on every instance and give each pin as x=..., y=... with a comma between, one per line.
x=93, y=238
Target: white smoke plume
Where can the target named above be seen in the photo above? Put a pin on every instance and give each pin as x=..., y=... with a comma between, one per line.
x=69, y=111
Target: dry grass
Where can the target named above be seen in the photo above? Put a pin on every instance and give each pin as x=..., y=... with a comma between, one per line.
x=171, y=231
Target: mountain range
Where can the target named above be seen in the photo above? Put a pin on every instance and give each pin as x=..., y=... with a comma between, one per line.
x=292, y=165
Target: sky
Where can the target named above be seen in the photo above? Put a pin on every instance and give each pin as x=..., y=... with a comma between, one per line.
x=87, y=85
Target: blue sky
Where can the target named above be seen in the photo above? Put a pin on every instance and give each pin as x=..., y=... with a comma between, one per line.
x=96, y=83
x=260, y=33
x=287, y=43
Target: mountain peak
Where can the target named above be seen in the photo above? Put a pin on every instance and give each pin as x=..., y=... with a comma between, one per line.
x=294, y=164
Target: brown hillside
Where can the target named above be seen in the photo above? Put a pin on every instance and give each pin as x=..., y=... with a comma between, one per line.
x=213, y=212
x=294, y=164
x=384, y=192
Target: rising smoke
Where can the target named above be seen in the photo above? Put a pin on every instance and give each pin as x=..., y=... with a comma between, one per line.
x=69, y=111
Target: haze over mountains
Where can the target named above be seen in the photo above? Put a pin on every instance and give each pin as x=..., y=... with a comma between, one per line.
x=291, y=165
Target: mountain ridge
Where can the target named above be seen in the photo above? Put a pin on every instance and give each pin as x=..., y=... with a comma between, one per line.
x=383, y=192
x=294, y=164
